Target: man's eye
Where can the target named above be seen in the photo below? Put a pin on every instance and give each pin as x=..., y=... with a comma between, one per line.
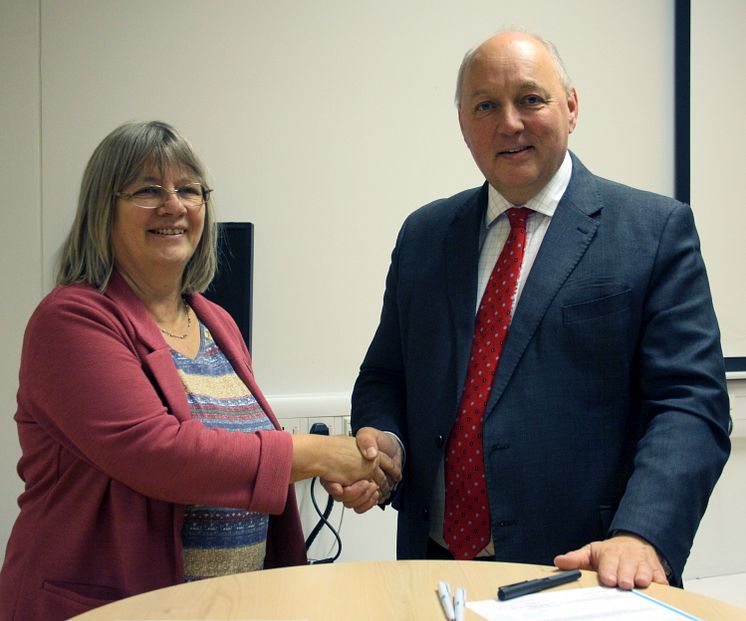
x=533, y=100
x=485, y=106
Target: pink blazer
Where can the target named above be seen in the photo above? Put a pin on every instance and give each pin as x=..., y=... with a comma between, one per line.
x=111, y=456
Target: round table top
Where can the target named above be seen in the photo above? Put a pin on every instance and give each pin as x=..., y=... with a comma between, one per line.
x=366, y=591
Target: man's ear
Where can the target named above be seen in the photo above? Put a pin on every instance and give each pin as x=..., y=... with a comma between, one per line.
x=461, y=126
x=572, y=106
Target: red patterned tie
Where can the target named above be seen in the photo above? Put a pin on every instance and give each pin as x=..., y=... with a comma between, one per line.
x=466, y=525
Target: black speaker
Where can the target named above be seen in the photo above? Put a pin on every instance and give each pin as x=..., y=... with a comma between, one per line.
x=232, y=286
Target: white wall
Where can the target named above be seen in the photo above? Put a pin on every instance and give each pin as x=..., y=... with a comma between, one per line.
x=720, y=547
x=718, y=54
x=325, y=124
x=21, y=251
x=718, y=57
x=322, y=123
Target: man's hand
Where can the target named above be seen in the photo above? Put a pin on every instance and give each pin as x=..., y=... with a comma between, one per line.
x=363, y=495
x=625, y=561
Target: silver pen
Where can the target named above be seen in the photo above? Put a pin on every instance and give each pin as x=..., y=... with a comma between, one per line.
x=444, y=595
x=459, y=603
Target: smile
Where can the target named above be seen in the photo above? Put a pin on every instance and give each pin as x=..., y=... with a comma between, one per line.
x=514, y=151
x=169, y=231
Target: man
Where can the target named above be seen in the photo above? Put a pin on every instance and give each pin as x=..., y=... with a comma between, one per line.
x=605, y=424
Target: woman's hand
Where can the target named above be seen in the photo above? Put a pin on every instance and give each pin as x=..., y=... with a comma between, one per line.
x=335, y=458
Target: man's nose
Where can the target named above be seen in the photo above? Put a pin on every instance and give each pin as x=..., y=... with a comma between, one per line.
x=510, y=120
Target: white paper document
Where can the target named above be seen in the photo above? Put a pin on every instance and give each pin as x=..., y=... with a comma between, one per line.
x=588, y=604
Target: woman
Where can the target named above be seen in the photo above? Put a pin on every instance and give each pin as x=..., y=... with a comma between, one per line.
x=142, y=428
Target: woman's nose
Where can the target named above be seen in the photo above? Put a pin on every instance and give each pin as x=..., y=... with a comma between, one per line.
x=172, y=203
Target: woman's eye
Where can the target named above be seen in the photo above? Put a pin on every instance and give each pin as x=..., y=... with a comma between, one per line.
x=190, y=190
x=148, y=191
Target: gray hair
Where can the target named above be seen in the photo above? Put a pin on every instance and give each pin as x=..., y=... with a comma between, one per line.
x=117, y=161
x=554, y=54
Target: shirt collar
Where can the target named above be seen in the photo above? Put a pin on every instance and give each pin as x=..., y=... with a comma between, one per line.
x=544, y=202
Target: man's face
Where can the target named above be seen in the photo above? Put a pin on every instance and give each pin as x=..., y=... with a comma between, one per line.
x=515, y=115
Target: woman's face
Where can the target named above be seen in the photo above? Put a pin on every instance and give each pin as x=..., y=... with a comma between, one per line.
x=156, y=243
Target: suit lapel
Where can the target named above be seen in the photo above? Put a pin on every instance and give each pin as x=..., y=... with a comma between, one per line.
x=569, y=234
x=461, y=247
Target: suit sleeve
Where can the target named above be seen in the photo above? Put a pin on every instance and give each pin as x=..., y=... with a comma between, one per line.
x=681, y=378
x=379, y=395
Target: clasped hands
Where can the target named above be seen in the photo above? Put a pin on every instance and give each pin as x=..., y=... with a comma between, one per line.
x=624, y=560
x=382, y=450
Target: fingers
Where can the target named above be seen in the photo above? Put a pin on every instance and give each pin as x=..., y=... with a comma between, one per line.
x=378, y=477
x=390, y=467
x=631, y=572
x=577, y=559
x=609, y=565
x=360, y=496
x=386, y=452
x=384, y=487
x=659, y=576
x=367, y=442
x=369, y=497
x=390, y=456
x=625, y=561
x=335, y=490
x=635, y=562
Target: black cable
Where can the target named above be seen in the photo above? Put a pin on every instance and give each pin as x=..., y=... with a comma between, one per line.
x=323, y=521
x=322, y=429
x=323, y=516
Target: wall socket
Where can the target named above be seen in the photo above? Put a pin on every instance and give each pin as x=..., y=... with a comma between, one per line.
x=337, y=424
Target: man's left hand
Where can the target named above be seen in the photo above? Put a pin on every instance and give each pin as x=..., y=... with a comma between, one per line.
x=625, y=561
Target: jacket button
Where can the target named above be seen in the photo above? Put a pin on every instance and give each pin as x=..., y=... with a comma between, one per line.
x=440, y=441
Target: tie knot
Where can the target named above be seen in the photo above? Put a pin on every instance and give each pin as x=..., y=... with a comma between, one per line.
x=517, y=216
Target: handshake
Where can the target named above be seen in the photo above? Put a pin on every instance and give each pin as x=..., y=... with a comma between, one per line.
x=359, y=472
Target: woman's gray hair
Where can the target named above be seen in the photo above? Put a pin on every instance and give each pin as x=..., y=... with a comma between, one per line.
x=117, y=161
x=559, y=65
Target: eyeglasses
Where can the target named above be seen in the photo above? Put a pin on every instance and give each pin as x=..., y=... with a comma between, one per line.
x=192, y=196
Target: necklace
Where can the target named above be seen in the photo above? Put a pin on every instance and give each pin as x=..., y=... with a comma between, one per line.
x=181, y=337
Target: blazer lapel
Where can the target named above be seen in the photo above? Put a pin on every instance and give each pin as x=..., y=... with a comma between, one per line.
x=156, y=355
x=153, y=349
x=461, y=247
x=567, y=238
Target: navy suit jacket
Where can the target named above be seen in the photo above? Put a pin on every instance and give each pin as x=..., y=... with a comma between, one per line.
x=609, y=409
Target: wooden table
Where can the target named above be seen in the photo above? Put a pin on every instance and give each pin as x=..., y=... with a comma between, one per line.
x=373, y=591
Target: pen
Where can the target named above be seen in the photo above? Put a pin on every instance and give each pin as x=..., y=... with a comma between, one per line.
x=444, y=594
x=533, y=586
x=458, y=604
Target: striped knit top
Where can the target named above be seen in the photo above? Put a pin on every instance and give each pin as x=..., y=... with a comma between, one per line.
x=220, y=541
